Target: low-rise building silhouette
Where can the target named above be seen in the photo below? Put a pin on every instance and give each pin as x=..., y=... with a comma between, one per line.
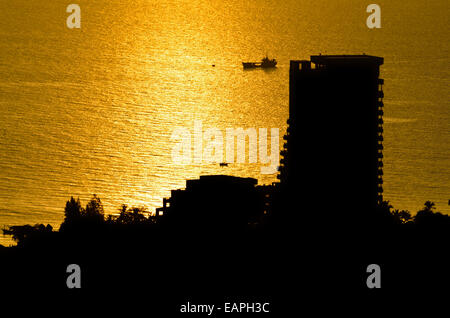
x=216, y=201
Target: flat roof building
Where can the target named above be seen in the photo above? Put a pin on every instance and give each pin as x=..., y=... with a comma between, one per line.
x=334, y=142
x=215, y=201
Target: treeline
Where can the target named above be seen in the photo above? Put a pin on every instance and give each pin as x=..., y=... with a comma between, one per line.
x=85, y=221
x=93, y=215
x=82, y=222
x=425, y=217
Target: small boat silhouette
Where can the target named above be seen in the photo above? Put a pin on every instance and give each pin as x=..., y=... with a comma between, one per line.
x=223, y=164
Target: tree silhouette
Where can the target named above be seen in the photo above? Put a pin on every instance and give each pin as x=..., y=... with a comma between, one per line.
x=429, y=206
x=76, y=216
x=73, y=211
x=24, y=234
x=428, y=218
x=131, y=215
x=94, y=210
x=402, y=216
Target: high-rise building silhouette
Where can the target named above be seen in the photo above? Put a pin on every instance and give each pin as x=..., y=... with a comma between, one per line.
x=332, y=158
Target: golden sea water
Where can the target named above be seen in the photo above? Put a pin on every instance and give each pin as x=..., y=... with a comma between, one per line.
x=92, y=110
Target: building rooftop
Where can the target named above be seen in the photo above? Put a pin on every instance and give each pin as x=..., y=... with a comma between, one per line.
x=217, y=180
x=346, y=59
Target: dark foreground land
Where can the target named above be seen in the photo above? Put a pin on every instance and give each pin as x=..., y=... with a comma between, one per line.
x=132, y=262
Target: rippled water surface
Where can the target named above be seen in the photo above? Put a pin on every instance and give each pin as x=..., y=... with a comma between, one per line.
x=92, y=110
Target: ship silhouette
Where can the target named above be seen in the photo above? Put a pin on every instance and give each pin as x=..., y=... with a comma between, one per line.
x=265, y=63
